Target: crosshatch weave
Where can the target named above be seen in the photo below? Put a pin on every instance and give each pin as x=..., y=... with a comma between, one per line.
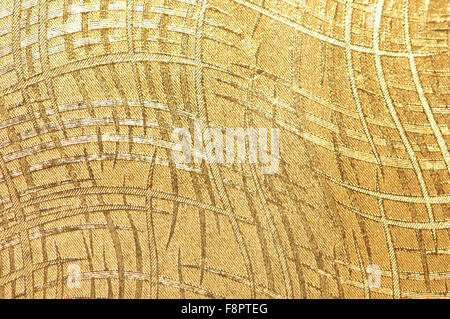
x=92, y=89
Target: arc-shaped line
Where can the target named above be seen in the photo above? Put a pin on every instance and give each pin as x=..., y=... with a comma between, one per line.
x=415, y=75
x=267, y=211
x=440, y=199
x=151, y=238
x=395, y=118
x=390, y=245
x=349, y=62
x=322, y=37
x=214, y=169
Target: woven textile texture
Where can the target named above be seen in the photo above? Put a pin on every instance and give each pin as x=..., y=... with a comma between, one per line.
x=92, y=204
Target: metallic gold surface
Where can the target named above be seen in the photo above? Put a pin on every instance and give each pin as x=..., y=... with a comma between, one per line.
x=92, y=89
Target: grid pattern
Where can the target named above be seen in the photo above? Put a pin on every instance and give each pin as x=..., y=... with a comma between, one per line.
x=91, y=90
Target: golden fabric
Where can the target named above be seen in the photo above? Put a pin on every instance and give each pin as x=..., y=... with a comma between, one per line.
x=91, y=90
